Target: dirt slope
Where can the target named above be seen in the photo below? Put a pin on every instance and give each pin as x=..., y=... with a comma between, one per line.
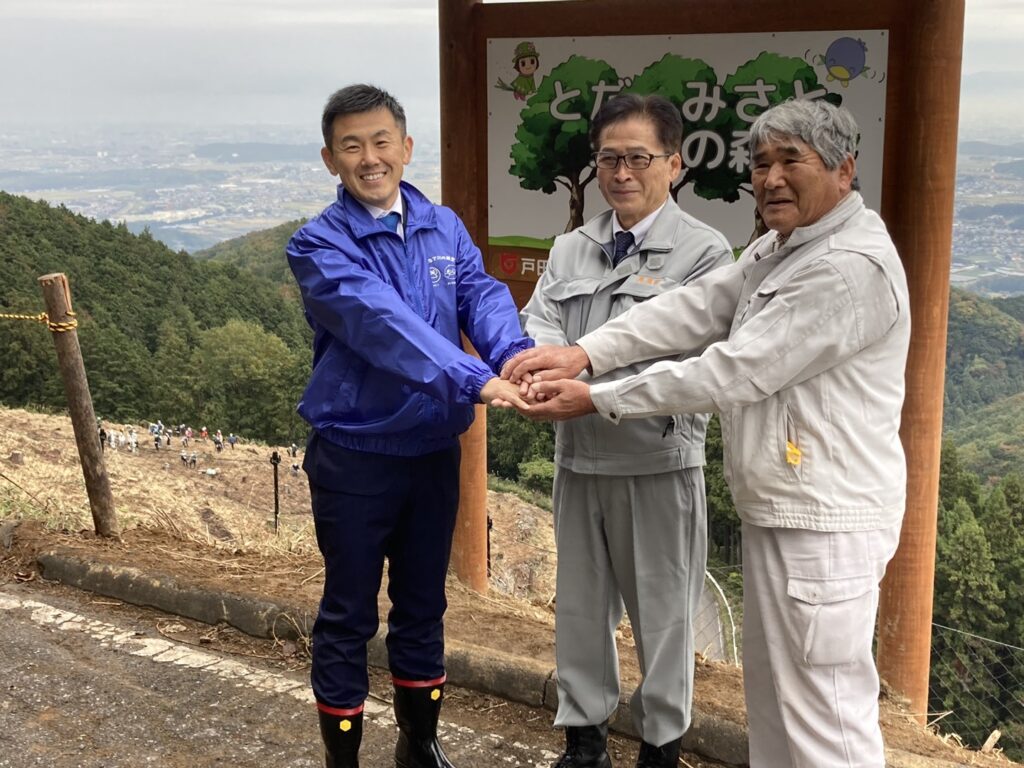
x=213, y=526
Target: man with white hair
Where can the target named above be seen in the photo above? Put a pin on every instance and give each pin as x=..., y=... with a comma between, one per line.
x=800, y=346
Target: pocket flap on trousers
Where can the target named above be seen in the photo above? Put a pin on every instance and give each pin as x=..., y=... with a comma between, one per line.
x=818, y=591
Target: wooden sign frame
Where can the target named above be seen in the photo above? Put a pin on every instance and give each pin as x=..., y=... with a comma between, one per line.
x=922, y=111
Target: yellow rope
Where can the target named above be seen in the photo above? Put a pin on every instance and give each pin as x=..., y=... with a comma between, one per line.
x=70, y=325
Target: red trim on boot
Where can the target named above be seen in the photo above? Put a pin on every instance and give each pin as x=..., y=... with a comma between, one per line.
x=419, y=683
x=339, y=712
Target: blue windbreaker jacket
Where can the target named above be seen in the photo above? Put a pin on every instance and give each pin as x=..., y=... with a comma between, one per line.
x=389, y=372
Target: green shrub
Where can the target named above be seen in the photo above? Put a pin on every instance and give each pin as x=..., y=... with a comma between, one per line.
x=537, y=475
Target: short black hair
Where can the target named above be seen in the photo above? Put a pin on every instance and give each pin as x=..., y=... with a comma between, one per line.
x=668, y=124
x=354, y=99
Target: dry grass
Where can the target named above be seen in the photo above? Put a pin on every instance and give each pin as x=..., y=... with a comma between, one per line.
x=231, y=510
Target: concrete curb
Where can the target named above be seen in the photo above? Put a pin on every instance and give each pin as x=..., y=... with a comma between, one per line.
x=514, y=678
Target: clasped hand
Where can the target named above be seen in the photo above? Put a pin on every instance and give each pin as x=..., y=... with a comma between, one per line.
x=541, y=384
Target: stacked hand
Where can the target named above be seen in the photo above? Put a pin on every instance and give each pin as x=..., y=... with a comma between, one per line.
x=541, y=384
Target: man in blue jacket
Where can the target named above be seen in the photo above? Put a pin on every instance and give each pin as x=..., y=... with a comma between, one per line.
x=389, y=282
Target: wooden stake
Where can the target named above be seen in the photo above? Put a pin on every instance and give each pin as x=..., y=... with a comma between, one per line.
x=57, y=297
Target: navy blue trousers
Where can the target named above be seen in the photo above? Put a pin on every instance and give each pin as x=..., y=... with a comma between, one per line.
x=368, y=507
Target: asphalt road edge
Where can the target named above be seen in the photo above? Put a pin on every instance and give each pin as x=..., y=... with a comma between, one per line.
x=510, y=677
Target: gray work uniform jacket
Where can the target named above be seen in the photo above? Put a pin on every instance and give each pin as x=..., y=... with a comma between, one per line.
x=579, y=291
x=808, y=346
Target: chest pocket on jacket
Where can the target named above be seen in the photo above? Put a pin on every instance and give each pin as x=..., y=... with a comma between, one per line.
x=573, y=298
x=643, y=287
x=758, y=300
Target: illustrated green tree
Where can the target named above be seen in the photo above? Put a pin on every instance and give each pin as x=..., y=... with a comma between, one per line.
x=708, y=124
x=552, y=146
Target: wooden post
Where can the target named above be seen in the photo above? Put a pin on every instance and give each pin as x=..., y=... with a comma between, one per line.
x=923, y=150
x=57, y=297
x=460, y=137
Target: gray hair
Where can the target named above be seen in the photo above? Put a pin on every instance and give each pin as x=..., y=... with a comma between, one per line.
x=829, y=130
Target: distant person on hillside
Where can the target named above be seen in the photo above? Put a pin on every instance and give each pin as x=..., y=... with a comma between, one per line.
x=103, y=439
x=192, y=459
x=390, y=281
x=232, y=439
x=801, y=347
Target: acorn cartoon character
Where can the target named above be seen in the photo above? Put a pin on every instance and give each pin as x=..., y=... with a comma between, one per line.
x=845, y=60
x=525, y=61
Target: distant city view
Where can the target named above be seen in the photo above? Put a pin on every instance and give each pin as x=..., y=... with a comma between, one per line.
x=193, y=188
x=190, y=188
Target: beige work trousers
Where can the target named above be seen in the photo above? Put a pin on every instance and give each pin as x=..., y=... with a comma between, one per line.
x=809, y=605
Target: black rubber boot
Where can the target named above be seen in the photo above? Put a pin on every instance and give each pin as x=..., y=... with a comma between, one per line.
x=586, y=746
x=341, y=735
x=417, y=711
x=665, y=756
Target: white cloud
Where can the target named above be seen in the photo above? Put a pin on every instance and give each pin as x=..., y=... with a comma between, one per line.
x=204, y=61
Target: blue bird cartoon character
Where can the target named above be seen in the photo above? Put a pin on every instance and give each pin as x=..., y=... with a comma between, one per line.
x=525, y=61
x=845, y=60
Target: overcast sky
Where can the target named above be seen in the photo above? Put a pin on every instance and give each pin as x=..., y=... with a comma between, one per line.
x=204, y=62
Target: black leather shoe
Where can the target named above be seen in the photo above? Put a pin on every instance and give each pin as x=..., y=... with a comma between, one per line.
x=417, y=711
x=342, y=735
x=586, y=746
x=665, y=756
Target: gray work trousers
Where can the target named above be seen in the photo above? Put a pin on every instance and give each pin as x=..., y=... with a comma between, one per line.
x=809, y=604
x=638, y=542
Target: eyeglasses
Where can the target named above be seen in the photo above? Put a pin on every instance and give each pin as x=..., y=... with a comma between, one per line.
x=635, y=161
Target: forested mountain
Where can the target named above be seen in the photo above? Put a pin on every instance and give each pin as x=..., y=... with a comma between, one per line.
x=163, y=336
x=221, y=341
x=261, y=253
x=984, y=355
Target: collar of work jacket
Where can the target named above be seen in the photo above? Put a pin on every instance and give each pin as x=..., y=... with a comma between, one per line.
x=800, y=247
x=419, y=213
x=660, y=239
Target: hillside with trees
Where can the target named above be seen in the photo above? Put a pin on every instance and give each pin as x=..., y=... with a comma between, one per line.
x=222, y=341
x=261, y=253
x=163, y=335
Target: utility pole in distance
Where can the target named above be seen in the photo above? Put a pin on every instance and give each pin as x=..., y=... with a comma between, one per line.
x=62, y=324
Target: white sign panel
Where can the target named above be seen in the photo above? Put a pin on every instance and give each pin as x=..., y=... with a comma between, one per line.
x=543, y=92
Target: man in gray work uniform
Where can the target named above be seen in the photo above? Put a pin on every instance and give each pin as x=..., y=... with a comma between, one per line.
x=630, y=511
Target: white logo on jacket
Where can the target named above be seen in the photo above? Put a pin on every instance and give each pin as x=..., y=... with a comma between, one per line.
x=442, y=269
